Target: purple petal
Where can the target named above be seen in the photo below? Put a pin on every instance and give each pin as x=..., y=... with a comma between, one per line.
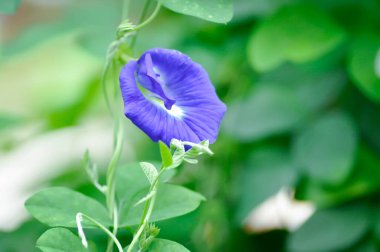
x=151, y=80
x=191, y=112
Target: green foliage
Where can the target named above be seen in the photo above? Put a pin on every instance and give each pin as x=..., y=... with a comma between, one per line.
x=274, y=108
x=28, y=233
x=166, y=156
x=9, y=6
x=361, y=65
x=297, y=34
x=269, y=109
x=58, y=206
x=159, y=245
x=219, y=11
x=60, y=239
x=363, y=180
x=150, y=171
x=323, y=231
x=302, y=87
x=131, y=179
x=326, y=149
x=166, y=245
x=171, y=201
x=268, y=170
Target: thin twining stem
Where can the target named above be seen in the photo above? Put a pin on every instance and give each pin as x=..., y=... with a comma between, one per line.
x=111, y=182
x=148, y=209
x=79, y=219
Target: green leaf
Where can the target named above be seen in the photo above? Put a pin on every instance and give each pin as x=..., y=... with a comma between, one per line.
x=326, y=149
x=330, y=230
x=28, y=232
x=178, y=150
x=361, y=65
x=150, y=171
x=364, y=180
x=130, y=179
x=219, y=11
x=369, y=123
x=270, y=109
x=315, y=89
x=58, y=206
x=166, y=156
x=172, y=201
x=162, y=245
x=268, y=170
x=245, y=9
x=377, y=225
x=159, y=245
x=281, y=100
x=9, y=6
x=295, y=33
x=60, y=239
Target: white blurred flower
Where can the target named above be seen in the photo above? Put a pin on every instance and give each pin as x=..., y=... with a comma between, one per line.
x=280, y=211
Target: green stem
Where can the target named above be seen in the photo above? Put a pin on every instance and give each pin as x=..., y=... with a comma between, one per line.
x=142, y=17
x=80, y=216
x=148, y=209
x=150, y=19
x=125, y=9
x=111, y=171
x=104, y=85
x=115, y=228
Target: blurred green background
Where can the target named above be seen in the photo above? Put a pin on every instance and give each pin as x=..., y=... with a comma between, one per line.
x=302, y=129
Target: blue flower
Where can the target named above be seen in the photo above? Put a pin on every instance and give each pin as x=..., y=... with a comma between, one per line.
x=167, y=96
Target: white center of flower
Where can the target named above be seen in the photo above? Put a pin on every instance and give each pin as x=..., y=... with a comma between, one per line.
x=174, y=111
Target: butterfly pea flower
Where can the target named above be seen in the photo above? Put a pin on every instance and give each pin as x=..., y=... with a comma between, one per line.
x=169, y=96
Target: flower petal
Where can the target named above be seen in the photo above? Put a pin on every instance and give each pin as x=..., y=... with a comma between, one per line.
x=196, y=111
x=151, y=80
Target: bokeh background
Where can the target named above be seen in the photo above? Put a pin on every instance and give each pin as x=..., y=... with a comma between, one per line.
x=297, y=163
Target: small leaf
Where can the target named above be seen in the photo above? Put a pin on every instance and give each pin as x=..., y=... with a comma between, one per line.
x=159, y=245
x=59, y=239
x=172, y=201
x=178, y=149
x=297, y=33
x=326, y=149
x=92, y=172
x=166, y=156
x=58, y=206
x=9, y=6
x=150, y=171
x=219, y=11
x=331, y=230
